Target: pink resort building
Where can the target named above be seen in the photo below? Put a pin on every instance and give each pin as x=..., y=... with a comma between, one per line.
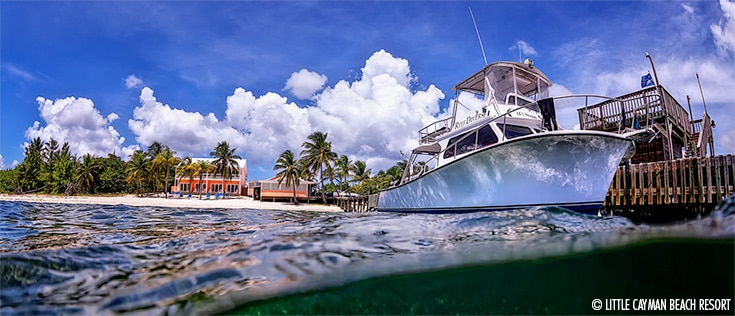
x=212, y=183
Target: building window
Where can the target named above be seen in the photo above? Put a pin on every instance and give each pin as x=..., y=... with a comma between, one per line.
x=184, y=187
x=216, y=188
x=233, y=188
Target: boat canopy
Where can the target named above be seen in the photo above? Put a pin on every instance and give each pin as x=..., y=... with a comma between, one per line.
x=502, y=78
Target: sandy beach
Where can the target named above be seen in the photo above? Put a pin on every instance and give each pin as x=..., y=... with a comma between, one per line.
x=194, y=202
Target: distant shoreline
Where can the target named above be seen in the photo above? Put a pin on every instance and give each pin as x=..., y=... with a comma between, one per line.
x=174, y=202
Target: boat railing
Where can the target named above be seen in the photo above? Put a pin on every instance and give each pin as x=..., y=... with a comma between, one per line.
x=429, y=133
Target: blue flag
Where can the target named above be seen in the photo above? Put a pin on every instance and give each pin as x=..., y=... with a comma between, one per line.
x=646, y=80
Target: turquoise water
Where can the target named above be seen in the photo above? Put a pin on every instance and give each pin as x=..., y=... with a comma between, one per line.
x=85, y=259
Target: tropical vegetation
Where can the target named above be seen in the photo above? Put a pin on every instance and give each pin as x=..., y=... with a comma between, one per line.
x=50, y=167
x=318, y=163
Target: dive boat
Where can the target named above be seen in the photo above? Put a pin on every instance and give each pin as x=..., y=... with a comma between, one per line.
x=507, y=152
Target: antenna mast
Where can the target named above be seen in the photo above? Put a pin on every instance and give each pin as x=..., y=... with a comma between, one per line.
x=702, y=93
x=478, y=36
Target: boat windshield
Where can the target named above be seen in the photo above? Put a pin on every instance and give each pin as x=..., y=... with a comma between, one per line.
x=517, y=80
x=502, y=79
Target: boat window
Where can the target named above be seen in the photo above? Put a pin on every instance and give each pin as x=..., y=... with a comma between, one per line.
x=486, y=137
x=467, y=144
x=513, y=131
x=463, y=146
x=483, y=137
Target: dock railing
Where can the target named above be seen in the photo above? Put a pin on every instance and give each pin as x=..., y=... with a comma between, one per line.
x=690, y=181
x=646, y=105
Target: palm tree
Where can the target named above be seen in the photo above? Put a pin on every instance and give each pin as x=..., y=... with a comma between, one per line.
x=200, y=168
x=342, y=170
x=318, y=155
x=87, y=173
x=165, y=160
x=185, y=168
x=36, y=146
x=154, y=149
x=224, y=162
x=360, y=174
x=138, y=169
x=50, y=151
x=290, y=170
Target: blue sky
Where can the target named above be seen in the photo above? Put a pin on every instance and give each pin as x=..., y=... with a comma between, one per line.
x=116, y=76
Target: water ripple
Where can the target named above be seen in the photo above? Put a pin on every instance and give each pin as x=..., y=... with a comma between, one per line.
x=86, y=259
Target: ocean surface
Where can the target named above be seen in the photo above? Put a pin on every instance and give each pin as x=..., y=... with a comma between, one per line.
x=91, y=259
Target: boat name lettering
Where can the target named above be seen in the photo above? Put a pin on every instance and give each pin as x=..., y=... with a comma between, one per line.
x=478, y=115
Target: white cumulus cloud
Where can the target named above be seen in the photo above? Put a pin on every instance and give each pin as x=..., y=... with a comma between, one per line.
x=372, y=118
x=185, y=132
x=78, y=122
x=724, y=31
x=133, y=81
x=2, y=162
x=304, y=84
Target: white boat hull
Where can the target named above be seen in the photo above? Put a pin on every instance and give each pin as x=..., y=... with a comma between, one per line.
x=571, y=169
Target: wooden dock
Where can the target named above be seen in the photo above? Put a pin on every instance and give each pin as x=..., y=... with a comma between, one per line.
x=693, y=184
x=361, y=203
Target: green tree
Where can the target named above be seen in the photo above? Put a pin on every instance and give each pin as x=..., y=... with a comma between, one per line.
x=202, y=167
x=62, y=172
x=166, y=161
x=154, y=149
x=138, y=169
x=112, y=175
x=30, y=170
x=87, y=173
x=342, y=171
x=289, y=170
x=360, y=174
x=7, y=180
x=224, y=161
x=187, y=168
x=318, y=156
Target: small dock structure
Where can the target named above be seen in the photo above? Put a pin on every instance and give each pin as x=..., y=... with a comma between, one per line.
x=357, y=203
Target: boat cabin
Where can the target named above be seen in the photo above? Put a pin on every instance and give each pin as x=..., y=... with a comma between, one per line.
x=507, y=94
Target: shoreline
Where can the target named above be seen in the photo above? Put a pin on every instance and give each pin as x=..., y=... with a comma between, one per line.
x=173, y=202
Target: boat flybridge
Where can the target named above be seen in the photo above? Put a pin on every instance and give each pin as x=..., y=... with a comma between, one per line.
x=502, y=142
x=509, y=109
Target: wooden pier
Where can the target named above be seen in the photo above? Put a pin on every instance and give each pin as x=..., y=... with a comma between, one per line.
x=361, y=203
x=692, y=185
